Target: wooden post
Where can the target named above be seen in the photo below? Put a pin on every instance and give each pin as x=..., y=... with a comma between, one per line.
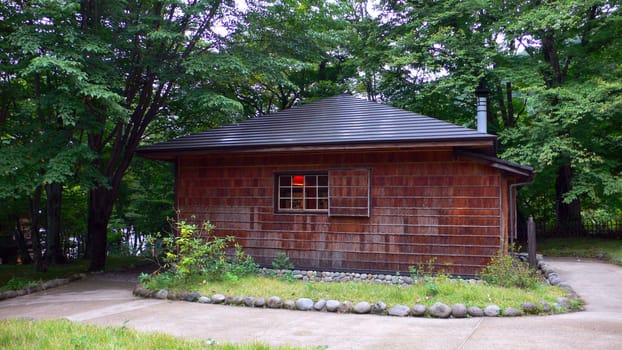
x=531, y=241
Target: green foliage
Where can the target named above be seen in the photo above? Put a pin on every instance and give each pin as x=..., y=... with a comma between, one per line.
x=194, y=253
x=444, y=290
x=423, y=271
x=281, y=262
x=61, y=334
x=17, y=283
x=283, y=267
x=28, y=276
x=607, y=249
x=507, y=271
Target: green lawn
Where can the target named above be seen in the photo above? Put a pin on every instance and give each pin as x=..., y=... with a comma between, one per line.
x=24, y=274
x=442, y=289
x=62, y=335
x=606, y=249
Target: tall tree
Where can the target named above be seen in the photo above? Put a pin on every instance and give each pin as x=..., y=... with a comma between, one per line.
x=570, y=128
x=549, y=66
x=143, y=53
x=41, y=87
x=289, y=51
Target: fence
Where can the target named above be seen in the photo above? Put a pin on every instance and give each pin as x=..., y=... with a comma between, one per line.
x=611, y=229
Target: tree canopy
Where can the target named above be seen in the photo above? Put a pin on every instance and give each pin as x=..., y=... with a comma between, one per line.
x=83, y=83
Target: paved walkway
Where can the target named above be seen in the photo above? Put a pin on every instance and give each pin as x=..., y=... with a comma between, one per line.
x=108, y=302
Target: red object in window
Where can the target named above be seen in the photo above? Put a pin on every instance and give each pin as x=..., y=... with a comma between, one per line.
x=298, y=180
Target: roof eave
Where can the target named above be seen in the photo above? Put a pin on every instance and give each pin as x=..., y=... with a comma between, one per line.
x=526, y=173
x=483, y=143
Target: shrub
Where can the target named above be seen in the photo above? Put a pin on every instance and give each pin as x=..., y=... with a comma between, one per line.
x=506, y=271
x=195, y=253
x=281, y=262
x=423, y=271
x=16, y=283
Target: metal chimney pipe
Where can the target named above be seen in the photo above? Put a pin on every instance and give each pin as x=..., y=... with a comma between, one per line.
x=482, y=108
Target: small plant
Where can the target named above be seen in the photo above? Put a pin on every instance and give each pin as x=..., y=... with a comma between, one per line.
x=194, y=253
x=423, y=271
x=506, y=271
x=17, y=283
x=431, y=289
x=281, y=262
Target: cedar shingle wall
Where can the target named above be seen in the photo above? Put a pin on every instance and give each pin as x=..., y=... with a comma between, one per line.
x=424, y=205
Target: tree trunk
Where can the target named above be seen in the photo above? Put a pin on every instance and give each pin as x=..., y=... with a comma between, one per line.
x=101, y=201
x=35, y=223
x=53, y=253
x=568, y=214
x=509, y=122
x=21, y=242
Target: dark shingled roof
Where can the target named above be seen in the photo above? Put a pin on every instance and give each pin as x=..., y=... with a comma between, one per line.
x=338, y=120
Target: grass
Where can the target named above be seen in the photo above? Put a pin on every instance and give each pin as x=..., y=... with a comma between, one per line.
x=24, y=334
x=584, y=247
x=18, y=276
x=441, y=289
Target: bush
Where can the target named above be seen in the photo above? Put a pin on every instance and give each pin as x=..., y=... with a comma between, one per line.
x=506, y=271
x=196, y=253
x=17, y=283
x=281, y=262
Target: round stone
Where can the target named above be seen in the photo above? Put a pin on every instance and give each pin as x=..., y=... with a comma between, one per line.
x=249, y=301
x=546, y=307
x=138, y=291
x=275, y=302
x=204, y=300
x=492, y=311
x=554, y=279
x=563, y=302
x=362, y=308
x=399, y=310
x=161, y=294
x=320, y=305
x=304, y=304
x=332, y=305
x=459, y=311
x=439, y=310
x=379, y=308
x=529, y=307
x=419, y=310
x=512, y=312
x=345, y=307
x=475, y=311
x=289, y=304
x=218, y=298
x=191, y=297
x=260, y=302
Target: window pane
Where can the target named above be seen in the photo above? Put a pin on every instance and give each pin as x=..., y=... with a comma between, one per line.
x=310, y=180
x=322, y=180
x=285, y=204
x=285, y=180
x=311, y=203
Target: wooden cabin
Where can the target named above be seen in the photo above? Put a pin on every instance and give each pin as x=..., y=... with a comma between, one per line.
x=347, y=184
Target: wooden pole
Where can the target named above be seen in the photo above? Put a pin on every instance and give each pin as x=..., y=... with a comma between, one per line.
x=531, y=241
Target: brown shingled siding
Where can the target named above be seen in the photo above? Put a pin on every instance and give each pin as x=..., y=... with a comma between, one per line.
x=424, y=205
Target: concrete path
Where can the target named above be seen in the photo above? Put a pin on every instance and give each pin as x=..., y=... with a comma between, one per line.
x=103, y=301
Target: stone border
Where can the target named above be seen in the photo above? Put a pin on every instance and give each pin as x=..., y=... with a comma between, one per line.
x=437, y=310
x=41, y=286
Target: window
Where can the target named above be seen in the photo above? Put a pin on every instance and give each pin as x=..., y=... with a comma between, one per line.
x=303, y=192
x=337, y=192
